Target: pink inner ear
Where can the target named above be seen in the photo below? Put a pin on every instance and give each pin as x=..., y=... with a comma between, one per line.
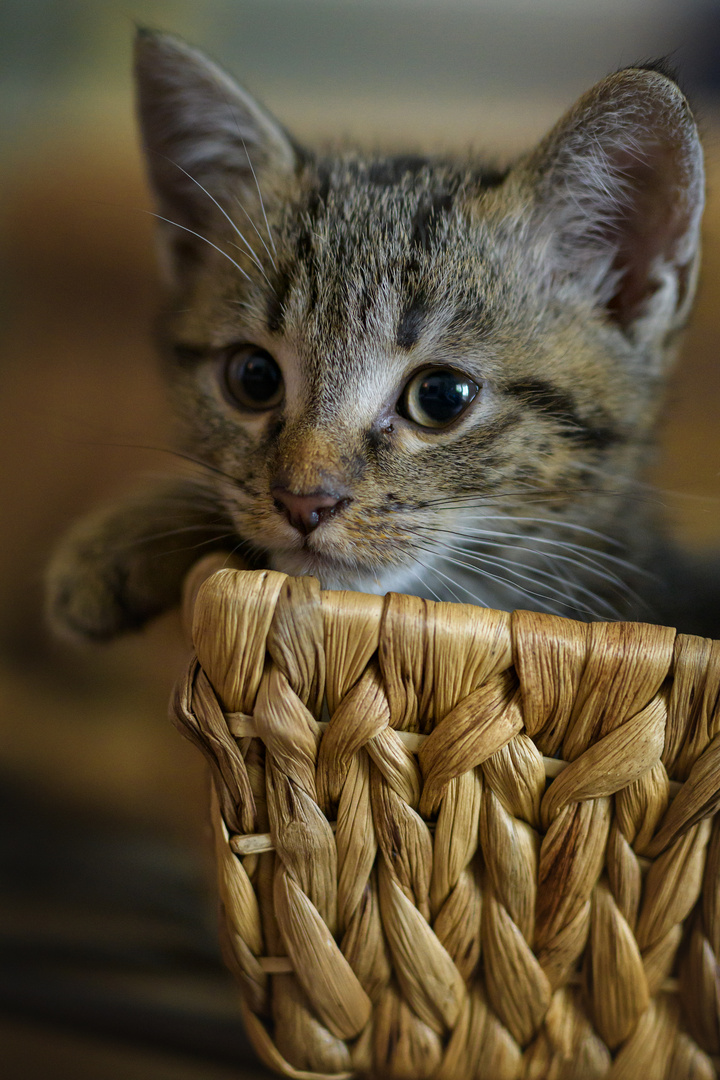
x=653, y=217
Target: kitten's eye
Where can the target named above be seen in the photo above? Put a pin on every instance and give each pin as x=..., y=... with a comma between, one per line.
x=252, y=379
x=435, y=397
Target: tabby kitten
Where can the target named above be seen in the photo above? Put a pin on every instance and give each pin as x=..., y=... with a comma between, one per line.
x=406, y=373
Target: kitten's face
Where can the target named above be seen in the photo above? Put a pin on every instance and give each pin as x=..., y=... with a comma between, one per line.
x=413, y=381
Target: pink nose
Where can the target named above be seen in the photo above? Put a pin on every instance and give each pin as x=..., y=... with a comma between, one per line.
x=306, y=512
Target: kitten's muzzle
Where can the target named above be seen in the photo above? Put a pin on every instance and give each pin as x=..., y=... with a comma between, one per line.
x=306, y=512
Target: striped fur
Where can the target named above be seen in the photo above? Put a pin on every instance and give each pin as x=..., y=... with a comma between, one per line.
x=558, y=286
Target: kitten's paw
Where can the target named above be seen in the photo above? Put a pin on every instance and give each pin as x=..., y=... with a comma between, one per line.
x=106, y=578
x=124, y=564
x=89, y=596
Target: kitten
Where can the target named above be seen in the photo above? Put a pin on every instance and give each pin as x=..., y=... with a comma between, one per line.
x=407, y=373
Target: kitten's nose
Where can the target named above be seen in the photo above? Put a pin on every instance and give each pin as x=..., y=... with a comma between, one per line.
x=306, y=512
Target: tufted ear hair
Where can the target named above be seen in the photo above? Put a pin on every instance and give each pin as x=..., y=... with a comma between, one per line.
x=618, y=193
x=206, y=141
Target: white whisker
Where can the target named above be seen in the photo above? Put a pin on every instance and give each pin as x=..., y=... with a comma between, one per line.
x=233, y=224
x=531, y=594
x=259, y=234
x=474, y=597
x=254, y=258
x=200, y=237
x=560, y=524
x=448, y=588
x=429, y=587
x=511, y=565
x=589, y=553
x=262, y=203
x=585, y=561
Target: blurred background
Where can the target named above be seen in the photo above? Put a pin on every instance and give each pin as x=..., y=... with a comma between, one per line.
x=107, y=933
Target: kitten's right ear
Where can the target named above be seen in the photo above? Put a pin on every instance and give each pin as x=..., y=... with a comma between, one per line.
x=205, y=139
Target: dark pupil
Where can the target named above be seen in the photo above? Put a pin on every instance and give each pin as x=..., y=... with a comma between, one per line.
x=443, y=396
x=260, y=377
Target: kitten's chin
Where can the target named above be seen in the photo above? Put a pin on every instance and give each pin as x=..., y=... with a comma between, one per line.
x=336, y=574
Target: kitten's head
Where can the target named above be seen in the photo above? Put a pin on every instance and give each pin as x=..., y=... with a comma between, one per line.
x=404, y=364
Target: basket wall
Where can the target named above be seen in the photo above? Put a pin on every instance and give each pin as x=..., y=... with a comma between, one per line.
x=492, y=853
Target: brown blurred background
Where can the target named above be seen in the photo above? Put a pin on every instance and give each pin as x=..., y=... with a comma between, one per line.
x=107, y=929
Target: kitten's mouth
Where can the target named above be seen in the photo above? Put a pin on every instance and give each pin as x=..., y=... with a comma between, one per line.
x=332, y=570
x=315, y=560
x=360, y=559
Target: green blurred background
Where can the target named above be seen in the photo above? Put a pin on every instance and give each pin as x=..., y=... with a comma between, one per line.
x=106, y=901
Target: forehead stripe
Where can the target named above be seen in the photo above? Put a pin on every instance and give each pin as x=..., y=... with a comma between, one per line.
x=411, y=324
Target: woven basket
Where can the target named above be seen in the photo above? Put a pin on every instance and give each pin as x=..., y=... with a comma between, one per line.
x=457, y=843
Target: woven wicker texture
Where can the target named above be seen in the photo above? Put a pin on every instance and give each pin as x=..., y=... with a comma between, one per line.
x=457, y=843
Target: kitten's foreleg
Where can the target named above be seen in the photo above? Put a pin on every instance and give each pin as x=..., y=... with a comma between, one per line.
x=124, y=564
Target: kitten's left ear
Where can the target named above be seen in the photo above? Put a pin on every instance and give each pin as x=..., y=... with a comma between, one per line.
x=200, y=130
x=619, y=190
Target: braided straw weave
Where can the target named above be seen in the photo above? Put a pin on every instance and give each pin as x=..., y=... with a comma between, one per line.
x=457, y=843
